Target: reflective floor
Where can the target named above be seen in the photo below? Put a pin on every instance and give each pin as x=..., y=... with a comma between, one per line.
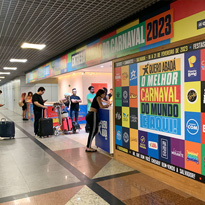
x=57, y=170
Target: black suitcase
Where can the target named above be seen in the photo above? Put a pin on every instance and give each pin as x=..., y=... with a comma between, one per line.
x=7, y=128
x=45, y=127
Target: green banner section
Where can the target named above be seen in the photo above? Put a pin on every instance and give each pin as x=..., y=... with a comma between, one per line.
x=127, y=40
x=118, y=96
x=161, y=79
x=203, y=159
x=161, y=109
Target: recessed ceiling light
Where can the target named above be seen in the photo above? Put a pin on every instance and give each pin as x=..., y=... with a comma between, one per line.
x=2, y=77
x=5, y=73
x=102, y=66
x=18, y=60
x=34, y=46
x=10, y=68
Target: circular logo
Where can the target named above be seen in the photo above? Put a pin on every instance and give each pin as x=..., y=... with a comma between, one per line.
x=126, y=137
x=125, y=94
x=119, y=135
x=142, y=139
x=192, y=96
x=192, y=127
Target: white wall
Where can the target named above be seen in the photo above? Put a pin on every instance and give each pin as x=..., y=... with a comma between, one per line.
x=81, y=83
x=11, y=93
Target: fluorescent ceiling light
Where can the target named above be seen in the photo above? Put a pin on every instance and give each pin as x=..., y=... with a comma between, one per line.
x=34, y=46
x=2, y=77
x=18, y=60
x=5, y=73
x=10, y=68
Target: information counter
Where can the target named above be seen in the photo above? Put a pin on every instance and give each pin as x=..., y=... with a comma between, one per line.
x=54, y=115
x=104, y=138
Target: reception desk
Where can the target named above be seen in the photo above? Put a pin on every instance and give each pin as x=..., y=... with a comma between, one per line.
x=104, y=138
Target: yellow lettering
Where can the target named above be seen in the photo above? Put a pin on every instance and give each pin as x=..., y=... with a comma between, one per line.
x=171, y=95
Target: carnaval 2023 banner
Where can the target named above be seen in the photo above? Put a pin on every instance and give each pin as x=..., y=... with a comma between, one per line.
x=161, y=84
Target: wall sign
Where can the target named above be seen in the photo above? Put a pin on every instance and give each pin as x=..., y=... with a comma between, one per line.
x=170, y=128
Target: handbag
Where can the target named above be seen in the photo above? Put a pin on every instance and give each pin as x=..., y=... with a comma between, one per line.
x=21, y=104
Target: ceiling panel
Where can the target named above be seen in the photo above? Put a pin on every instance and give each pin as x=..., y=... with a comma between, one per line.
x=60, y=24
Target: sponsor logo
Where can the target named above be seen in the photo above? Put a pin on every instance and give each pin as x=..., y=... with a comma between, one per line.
x=203, y=128
x=133, y=118
x=191, y=96
x=192, y=127
x=142, y=142
x=153, y=145
x=126, y=137
x=164, y=148
x=133, y=75
x=118, y=116
x=203, y=65
x=204, y=97
x=177, y=153
x=191, y=156
x=124, y=76
x=117, y=77
x=133, y=96
x=125, y=117
x=125, y=94
x=192, y=73
x=118, y=94
x=204, y=158
x=119, y=135
x=191, y=61
x=200, y=24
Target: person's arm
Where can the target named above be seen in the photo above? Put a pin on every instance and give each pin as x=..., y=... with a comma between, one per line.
x=39, y=105
x=100, y=103
x=1, y=105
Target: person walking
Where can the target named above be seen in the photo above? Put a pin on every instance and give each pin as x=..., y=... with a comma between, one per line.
x=74, y=109
x=92, y=118
x=38, y=107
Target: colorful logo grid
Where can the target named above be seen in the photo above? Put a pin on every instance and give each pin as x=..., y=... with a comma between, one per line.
x=162, y=94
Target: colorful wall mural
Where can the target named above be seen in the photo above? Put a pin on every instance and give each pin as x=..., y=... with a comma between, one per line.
x=166, y=124
x=179, y=20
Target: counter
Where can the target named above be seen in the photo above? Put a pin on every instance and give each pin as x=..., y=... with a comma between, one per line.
x=104, y=138
x=54, y=115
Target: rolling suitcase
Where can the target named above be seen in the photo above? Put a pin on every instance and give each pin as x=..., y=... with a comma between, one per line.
x=45, y=127
x=7, y=128
x=66, y=124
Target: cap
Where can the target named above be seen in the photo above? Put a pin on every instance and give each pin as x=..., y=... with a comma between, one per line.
x=67, y=94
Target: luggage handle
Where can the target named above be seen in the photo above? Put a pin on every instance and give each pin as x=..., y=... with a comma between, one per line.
x=3, y=119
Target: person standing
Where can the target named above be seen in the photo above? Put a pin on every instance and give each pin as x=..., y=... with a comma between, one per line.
x=110, y=94
x=74, y=109
x=29, y=97
x=90, y=97
x=24, y=107
x=92, y=118
x=0, y=94
x=38, y=106
x=66, y=102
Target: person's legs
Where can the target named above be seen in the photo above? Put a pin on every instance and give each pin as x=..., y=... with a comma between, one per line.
x=37, y=117
x=76, y=115
x=72, y=113
x=92, y=119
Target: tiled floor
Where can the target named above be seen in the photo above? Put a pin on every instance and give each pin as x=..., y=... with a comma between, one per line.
x=57, y=170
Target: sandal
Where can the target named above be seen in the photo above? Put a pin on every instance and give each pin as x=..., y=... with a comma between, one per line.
x=94, y=150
